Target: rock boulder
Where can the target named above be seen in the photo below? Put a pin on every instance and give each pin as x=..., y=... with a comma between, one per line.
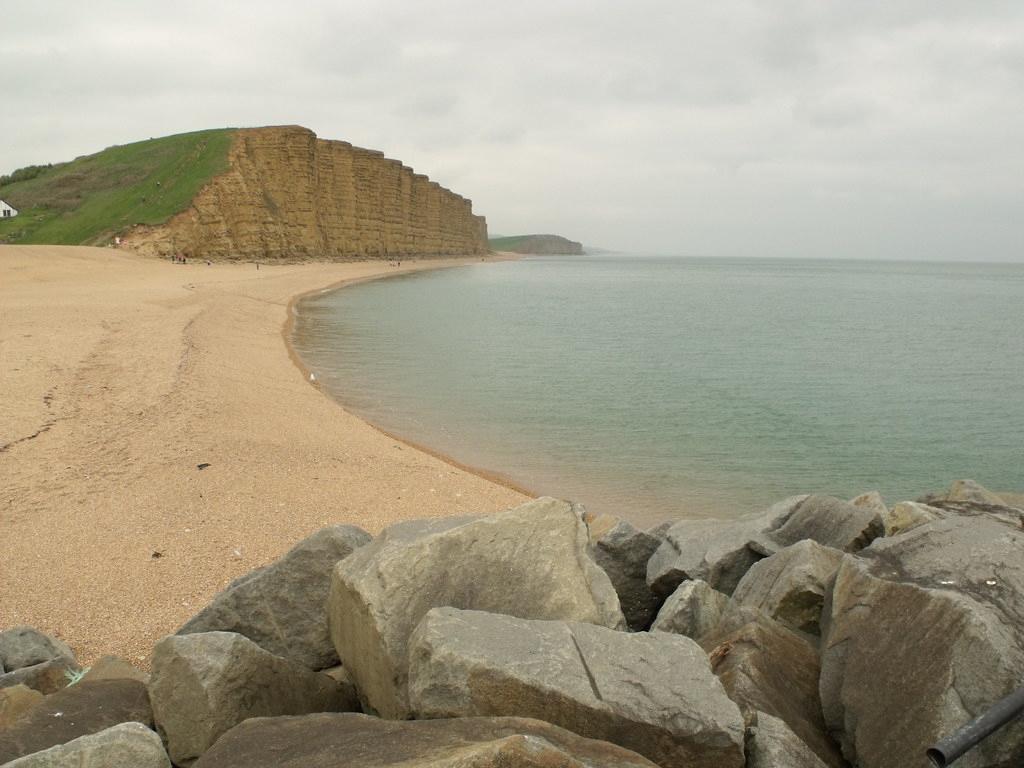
x=280, y=607
x=204, y=684
x=715, y=551
x=693, y=610
x=623, y=551
x=650, y=692
x=115, y=668
x=15, y=701
x=768, y=668
x=78, y=710
x=921, y=633
x=358, y=741
x=790, y=586
x=25, y=647
x=827, y=520
x=128, y=745
x=772, y=744
x=973, y=491
x=531, y=562
x=45, y=677
x=871, y=500
x=910, y=514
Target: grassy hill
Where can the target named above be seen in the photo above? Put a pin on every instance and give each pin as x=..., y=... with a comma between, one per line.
x=89, y=200
x=536, y=244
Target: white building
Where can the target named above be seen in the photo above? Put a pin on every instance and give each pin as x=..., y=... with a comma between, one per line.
x=7, y=211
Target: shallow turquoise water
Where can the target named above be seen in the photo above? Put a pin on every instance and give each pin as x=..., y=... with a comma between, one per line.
x=658, y=387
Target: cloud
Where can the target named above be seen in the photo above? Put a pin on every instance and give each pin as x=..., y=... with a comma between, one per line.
x=800, y=127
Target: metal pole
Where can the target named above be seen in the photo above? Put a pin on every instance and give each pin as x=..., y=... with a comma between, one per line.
x=999, y=714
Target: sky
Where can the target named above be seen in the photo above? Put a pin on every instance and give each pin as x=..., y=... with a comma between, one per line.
x=790, y=128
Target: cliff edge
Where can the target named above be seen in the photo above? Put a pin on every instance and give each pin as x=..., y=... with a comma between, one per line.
x=287, y=194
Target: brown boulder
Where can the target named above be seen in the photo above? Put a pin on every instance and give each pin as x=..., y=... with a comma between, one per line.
x=45, y=677
x=15, y=701
x=76, y=711
x=768, y=668
x=921, y=633
x=359, y=741
x=126, y=745
x=115, y=668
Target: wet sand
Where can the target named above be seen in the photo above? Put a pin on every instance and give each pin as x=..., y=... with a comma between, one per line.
x=120, y=377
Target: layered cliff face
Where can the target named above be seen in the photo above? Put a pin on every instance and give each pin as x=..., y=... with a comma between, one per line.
x=289, y=195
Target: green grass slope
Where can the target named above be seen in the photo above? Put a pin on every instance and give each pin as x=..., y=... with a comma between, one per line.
x=89, y=200
x=509, y=243
x=537, y=244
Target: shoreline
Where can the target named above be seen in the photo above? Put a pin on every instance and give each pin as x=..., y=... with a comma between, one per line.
x=287, y=329
x=160, y=442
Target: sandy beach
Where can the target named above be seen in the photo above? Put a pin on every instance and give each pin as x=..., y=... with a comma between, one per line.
x=120, y=377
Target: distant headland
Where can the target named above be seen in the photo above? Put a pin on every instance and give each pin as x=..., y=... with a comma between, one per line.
x=537, y=244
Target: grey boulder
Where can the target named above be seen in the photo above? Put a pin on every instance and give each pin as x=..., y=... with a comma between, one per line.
x=531, y=561
x=650, y=692
x=358, y=741
x=790, y=586
x=827, y=520
x=128, y=745
x=715, y=551
x=204, y=684
x=25, y=647
x=280, y=607
x=923, y=632
x=623, y=551
x=772, y=744
x=693, y=610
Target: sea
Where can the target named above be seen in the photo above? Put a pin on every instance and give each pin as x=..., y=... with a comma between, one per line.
x=656, y=388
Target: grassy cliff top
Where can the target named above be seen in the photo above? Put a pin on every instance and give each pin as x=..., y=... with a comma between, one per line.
x=90, y=199
x=538, y=244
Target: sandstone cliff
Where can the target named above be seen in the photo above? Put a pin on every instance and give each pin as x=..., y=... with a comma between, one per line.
x=288, y=195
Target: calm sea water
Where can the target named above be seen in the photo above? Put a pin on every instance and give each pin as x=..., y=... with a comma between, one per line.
x=662, y=387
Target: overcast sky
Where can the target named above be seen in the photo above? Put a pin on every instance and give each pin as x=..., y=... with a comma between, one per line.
x=805, y=128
